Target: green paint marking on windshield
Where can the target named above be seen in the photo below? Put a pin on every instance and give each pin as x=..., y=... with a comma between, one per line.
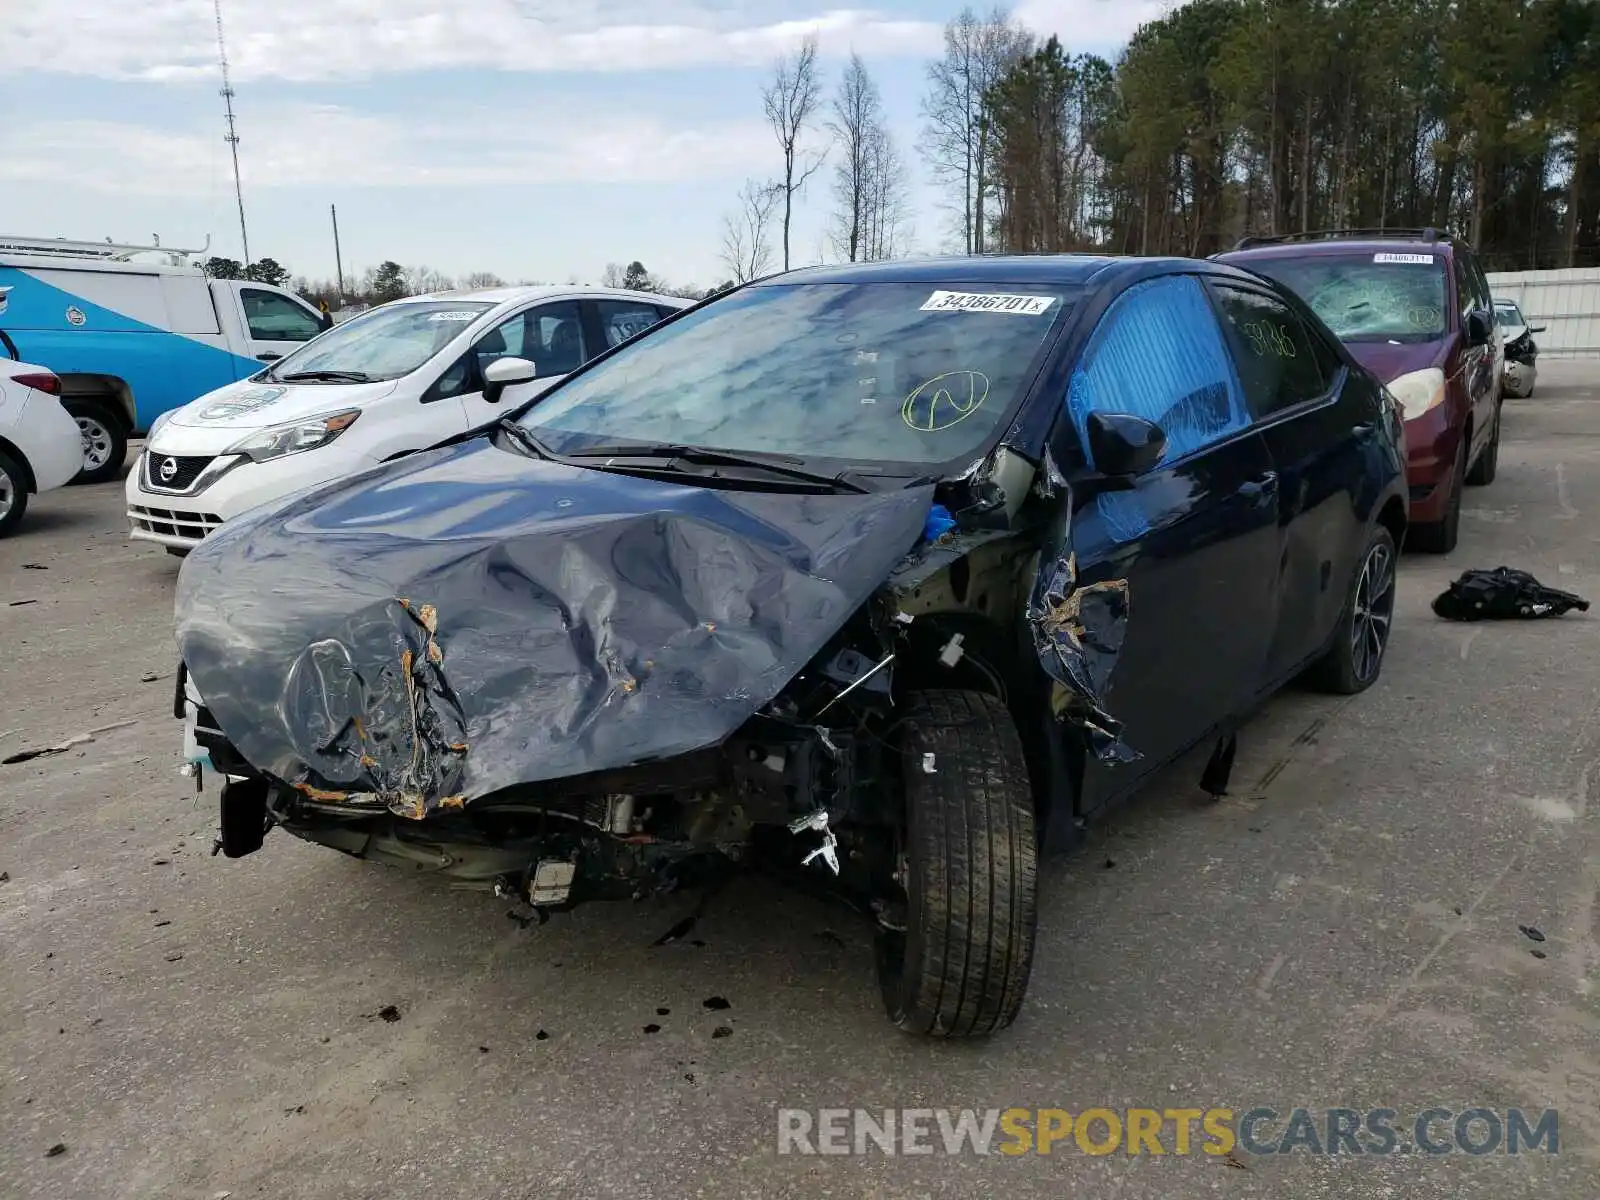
x=945, y=400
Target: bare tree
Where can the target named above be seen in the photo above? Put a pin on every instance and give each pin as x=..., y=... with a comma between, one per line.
x=614, y=275
x=422, y=280
x=790, y=101
x=888, y=204
x=747, y=233
x=483, y=279
x=957, y=136
x=857, y=118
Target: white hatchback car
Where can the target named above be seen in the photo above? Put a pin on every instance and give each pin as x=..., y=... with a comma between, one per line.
x=391, y=381
x=41, y=446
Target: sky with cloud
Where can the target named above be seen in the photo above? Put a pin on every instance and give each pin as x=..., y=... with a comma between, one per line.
x=539, y=139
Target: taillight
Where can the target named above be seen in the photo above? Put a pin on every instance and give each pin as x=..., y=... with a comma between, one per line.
x=44, y=381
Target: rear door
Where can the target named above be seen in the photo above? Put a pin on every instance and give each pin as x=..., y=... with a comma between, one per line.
x=1196, y=538
x=1320, y=428
x=275, y=323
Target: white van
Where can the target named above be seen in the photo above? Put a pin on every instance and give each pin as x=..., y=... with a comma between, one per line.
x=131, y=340
x=394, y=380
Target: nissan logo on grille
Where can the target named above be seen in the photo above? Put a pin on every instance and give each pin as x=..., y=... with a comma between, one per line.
x=169, y=468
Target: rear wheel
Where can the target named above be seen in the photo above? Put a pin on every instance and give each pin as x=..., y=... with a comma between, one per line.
x=1483, y=471
x=969, y=866
x=105, y=441
x=1440, y=537
x=1354, y=660
x=13, y=493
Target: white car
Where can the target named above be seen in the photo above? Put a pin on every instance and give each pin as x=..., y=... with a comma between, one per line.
x=1522, y=369
x=40, y=444
x=391, y=381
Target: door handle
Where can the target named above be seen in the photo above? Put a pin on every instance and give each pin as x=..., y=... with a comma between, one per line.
x=269, y=356
x=1261, y=488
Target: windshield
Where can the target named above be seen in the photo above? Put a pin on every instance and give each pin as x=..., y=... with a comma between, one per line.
x=1383, y=296
x=870, y=372
x=1509, y=314
x=384, y=344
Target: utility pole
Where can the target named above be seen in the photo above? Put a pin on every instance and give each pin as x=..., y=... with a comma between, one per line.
x=232, y=138
x=338, y=261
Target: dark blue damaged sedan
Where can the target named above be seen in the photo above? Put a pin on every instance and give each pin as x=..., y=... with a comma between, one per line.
x=888, y=576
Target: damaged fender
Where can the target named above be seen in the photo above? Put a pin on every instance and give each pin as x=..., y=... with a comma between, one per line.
x=472, y=619
x=1078, y=634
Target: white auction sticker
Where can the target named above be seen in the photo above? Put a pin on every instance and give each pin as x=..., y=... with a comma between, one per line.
x=992, y=302
x=1391, y=257
x=452, y=316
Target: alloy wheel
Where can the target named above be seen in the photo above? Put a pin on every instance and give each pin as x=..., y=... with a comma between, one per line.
x=8, y=493
x=1374, y=608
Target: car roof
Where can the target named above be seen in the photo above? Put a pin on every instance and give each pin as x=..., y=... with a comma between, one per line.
x=1325, y=245
x=506, y=295
x=1053, y=269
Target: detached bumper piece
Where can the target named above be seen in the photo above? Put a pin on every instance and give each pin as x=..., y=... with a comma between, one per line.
x=1501, y=594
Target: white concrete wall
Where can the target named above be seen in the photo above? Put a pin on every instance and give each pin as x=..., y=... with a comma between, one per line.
x=1567, y=302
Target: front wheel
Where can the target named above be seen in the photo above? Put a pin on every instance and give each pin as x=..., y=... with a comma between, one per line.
x=1440, y=537
x=105, y=441
x=1354, y=660
x=969, y=867
x=13, y=493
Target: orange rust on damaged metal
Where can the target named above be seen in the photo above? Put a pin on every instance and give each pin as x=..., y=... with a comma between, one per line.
x=459, y=800
x=322, y=794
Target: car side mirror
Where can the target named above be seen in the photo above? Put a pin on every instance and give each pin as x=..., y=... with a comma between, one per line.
x=1122, y=445
x=503, y=372
x=1478, y=327
x=1537, y=328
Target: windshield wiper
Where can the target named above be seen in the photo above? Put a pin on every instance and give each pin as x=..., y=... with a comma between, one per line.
x=524, y=438
x=327, y=376
x=673, y=455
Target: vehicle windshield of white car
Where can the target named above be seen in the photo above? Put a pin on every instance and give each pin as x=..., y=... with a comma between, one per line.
x=384, y=344
x=880, y=373
x=1372, y=296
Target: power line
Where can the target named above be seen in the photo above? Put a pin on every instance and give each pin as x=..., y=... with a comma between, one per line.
x=232, y=137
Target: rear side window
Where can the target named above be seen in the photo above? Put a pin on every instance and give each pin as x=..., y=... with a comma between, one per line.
x=621, y=319
x=1278, y=361
x=1159, y=354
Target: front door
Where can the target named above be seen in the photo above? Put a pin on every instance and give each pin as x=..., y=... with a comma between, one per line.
x=1196, y=538
x=548, y=335
x=277, y=324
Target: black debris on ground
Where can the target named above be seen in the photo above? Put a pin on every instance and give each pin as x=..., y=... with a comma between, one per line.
x=1532, y=932
x=540, y=1036
x=652, y=1028
x=663, y=1012
x=678, y=931
x=722, y=1031
x=1538, y=953
x=389, y=1013
x=56, y=1151
x=716, y=1003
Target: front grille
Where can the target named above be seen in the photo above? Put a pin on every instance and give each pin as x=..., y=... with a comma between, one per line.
x=185, y=471
x=171, y=523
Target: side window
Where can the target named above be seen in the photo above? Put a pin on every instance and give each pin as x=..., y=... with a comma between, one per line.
x=1158, y=354
x=1466, y=289
x=275, y=318
x=459, y=378
x=550, y=336
x=621, y=319
x=1278, y=362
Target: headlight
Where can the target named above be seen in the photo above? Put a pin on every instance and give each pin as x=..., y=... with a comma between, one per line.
x=155, y=426
x=1418, y=392
x=295, y=436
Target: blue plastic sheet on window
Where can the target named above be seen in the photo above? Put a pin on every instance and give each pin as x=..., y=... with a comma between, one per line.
x=1159, y=355
x=1123, y=514
x=939, y=523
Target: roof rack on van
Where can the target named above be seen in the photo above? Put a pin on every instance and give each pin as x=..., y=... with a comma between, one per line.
x=102, y=251
x=1428, y=234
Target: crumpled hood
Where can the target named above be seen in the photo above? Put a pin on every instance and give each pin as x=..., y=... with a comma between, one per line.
x=469, y=619
x=1390, y=360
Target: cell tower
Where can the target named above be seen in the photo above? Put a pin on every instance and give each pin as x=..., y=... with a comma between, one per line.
x=232, y=138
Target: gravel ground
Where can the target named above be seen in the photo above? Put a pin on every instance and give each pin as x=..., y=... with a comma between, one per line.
x=1343, y=930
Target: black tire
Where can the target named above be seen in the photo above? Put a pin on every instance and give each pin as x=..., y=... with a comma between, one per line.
x=1353, y=662
x=961, y=967
x=1440, y=537
x=13, y=493
x=105, y=439
x=1488, y=464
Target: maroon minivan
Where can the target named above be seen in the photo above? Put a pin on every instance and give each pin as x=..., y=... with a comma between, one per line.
x=1413, y=307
